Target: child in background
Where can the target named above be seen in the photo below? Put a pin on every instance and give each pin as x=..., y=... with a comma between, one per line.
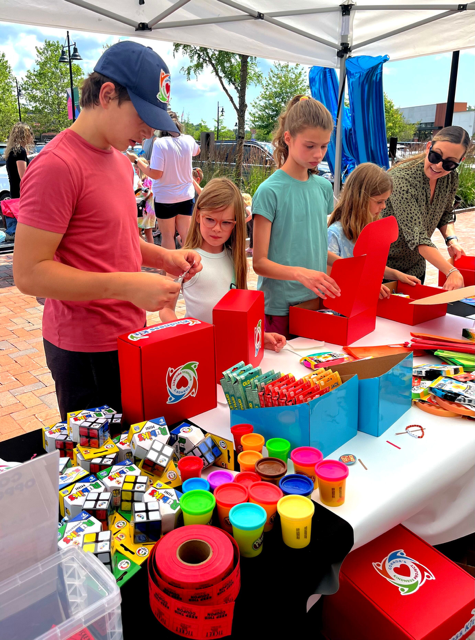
x=362, y=200
x=148, y=220
x=218, y=233
x=249, y=226
x=197, y=174
x=290, y=212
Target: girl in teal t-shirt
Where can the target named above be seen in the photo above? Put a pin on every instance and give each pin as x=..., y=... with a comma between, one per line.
x=290, y=212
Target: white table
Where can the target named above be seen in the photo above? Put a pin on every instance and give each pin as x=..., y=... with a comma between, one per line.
x=427, y=484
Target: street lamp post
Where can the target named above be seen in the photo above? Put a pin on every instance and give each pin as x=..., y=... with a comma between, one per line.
x=217, y=121
x=68, y=58
x=18, y=94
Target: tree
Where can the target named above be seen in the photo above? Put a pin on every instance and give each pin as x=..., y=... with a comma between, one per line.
x=45, y=89
x=283, y=83
x=396, y=125
x=235, y=74
x=8, y=101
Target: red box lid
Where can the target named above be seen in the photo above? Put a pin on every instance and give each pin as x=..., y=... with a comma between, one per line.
x=238, y=300
x=159, y=332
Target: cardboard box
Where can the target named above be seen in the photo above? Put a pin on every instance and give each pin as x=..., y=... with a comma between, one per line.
x=397, y=587
x=123, y=568
x=239, y=322
x=76, y=417
x=170, y=477
x=71, y=475
x=466, y=266
x=384, y=390
x=224, y=447
x=51, y=433
x=141, y=436
x=113, y=478
x=327, y=422
x=71, y=532
x=109, y=448
x=72, y=498
x=124, y=544
x=400, y=310
x=168, y=370
x=169, y=502
x=359, y=279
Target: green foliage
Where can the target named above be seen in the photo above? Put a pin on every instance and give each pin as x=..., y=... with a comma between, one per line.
x=396, y=125
x=466, y=189
x=8, y=101
x=195, y=130
x=283, y=83
x=252, y=177
x=45, y=89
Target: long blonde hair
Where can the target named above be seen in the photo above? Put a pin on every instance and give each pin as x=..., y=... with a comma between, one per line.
x=352, y=209
x=455, y=135
x=218, y=194
x=20, y=136
x=301, y=113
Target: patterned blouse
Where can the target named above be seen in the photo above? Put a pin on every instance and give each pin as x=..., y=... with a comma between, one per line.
x=417, y=217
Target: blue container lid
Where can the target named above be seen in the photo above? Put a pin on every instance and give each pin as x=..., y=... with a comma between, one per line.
x=296, y=484
x=195, y=483
x=248, y=516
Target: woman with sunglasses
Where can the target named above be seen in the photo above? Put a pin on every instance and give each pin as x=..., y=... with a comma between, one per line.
x=422, y=201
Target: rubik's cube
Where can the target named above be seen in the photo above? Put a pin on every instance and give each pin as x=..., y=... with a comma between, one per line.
x=125, y=450
x=99, y=464
x=208, y=450
x=146, y=522
x=100, y=544
x=157, y=458
x=65, y=446
x=99, y=505
x=133, y=490
x=94, y=433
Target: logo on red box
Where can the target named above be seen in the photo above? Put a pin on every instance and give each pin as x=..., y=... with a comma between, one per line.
x=182, y=382
x=403, y=572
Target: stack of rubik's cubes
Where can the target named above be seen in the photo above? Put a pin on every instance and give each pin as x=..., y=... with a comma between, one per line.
x=94, y=433
x=65, y=446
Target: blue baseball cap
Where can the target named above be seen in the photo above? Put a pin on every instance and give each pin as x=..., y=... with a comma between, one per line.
x=147, y=80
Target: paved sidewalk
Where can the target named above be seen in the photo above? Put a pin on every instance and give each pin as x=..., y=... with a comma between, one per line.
x=27, y=395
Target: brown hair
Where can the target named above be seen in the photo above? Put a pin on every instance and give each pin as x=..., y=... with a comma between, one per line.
x=179, y=126
x=20, y=136
x=352, y=210
x=198, y=174
x=301, y=113
x=91, y=88
x=218, y=194
x=455, y=135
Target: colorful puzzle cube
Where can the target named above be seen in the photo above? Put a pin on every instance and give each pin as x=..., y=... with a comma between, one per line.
x=72, y=499
x=100, y=544
x=94, y=433
x=143, y=433
x=133, y=490
x=169, y=503
x=65, y=446
x=146, y=521
x=184, y=438
x=113, y=479
x=70, y=533
x=125, y=450
x=100, y=506
x=51, y=433
x=208, y=450
x=99, y=464
x=157, y=458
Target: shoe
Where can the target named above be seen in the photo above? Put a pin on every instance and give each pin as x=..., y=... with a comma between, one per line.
x=9, y=238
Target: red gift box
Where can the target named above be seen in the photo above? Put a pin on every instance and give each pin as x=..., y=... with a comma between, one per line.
x=466, y=266
x=168, y=370
x=239, y=320
x=400, y=310
x=359, y=279
x=398, y=587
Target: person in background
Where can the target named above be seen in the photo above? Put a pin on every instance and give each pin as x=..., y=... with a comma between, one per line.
x=19, y=145
x=249, y=226
x=361, y=201
x=422, y=201
x=290, y=212
x=218, y=233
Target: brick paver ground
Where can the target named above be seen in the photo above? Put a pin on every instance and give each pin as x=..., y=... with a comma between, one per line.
x=27, y=395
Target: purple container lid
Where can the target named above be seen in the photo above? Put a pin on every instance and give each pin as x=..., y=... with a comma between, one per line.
x=218, y=477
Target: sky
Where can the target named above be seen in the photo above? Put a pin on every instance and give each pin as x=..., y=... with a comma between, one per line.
x=408, y=83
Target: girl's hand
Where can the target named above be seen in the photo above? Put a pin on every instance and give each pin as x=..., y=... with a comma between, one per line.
x=177, y=262
x=384, y=293
x=318, y=282
x=454, y=281
x=274, y=342
x=455, y=250
x=407, y=279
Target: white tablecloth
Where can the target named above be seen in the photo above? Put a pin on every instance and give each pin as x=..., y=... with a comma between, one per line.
x=427, y=484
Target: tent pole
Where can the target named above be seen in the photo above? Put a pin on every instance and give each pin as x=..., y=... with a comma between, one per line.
x=167, y=12
x=103, y=12
x=449, y=112
x=339, y=126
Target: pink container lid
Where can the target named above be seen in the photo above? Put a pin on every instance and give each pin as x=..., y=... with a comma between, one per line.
x=331, y=470
x=306, y=456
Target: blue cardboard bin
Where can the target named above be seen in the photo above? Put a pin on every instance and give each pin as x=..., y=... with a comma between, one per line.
x=385, y=390
x=325, y=423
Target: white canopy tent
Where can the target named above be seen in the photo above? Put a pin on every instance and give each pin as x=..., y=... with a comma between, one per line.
x=311, y=32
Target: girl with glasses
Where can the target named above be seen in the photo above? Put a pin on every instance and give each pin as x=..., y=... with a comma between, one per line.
x=422, y=201
x=218, y=233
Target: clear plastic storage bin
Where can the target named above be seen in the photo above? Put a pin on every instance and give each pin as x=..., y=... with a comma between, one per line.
x=68, y=596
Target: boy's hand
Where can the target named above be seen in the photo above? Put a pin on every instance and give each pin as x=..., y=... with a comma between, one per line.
x=274, y=342
x=149, y=291
x=318, y=282
x=177, y=262
x=132, y=156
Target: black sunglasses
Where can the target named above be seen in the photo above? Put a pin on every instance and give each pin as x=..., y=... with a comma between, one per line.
x=436, y=158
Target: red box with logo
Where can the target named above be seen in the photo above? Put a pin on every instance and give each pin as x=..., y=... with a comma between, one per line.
x=398, y=587
x=168, y=370
x=238, y=320
x=466, y=266
x=400, y=310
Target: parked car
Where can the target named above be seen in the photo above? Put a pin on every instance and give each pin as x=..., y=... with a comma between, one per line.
x=3, y=146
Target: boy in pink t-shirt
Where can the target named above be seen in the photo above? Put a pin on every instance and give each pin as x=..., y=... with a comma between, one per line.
x=76, y=242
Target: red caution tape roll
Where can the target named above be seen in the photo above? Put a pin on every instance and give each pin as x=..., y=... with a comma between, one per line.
x=194, y=579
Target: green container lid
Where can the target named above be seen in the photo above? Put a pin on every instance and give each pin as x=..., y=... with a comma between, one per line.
x=197, y=502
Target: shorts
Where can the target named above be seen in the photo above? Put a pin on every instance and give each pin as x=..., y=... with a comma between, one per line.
x=278, y=324
x=168, y=211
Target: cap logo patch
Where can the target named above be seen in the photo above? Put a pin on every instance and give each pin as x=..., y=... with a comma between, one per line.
x=165, y=86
